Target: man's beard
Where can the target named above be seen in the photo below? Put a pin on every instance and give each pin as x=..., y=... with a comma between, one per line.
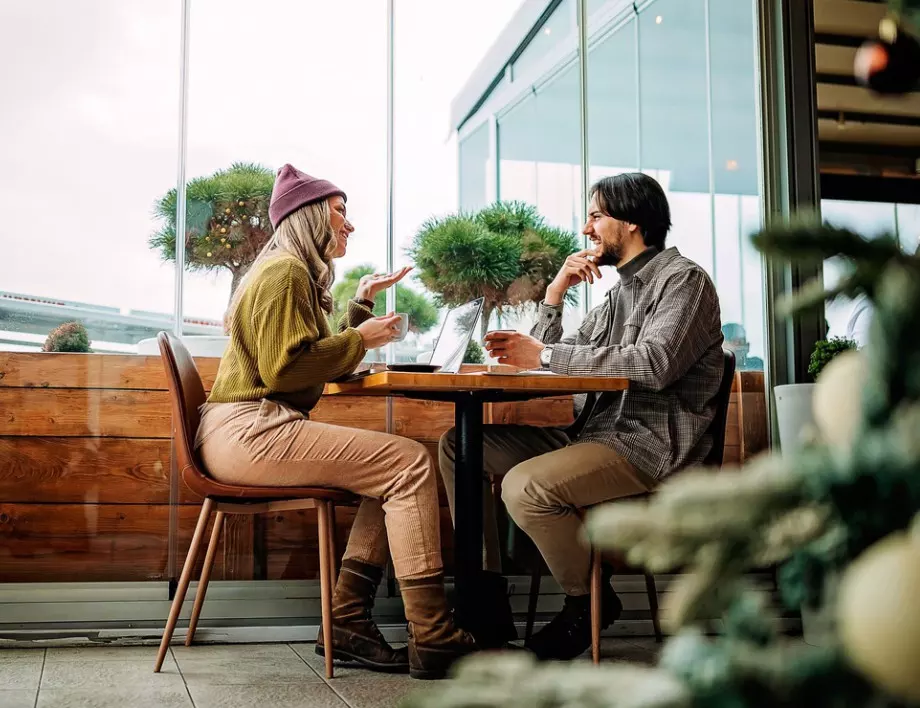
x=609, y=255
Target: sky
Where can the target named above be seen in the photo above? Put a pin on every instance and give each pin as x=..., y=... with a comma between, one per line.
x=90, y=125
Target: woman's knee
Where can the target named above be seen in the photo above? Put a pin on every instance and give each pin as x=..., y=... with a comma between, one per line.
x=414, y=463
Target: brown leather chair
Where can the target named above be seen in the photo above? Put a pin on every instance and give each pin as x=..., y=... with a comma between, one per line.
x=187, y=393
x=713, y=459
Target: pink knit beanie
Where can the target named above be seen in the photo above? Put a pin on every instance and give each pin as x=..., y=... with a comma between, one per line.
x=295, y=189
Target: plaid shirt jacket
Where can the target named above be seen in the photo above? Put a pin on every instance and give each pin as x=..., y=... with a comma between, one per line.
x=670, y=349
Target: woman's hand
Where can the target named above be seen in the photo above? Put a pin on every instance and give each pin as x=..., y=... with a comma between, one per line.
x=372, y=285
x=379, y=331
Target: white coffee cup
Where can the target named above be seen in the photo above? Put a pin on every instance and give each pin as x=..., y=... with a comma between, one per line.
x=403, y=326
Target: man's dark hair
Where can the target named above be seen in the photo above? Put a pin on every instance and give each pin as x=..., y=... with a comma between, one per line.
x=637, y=199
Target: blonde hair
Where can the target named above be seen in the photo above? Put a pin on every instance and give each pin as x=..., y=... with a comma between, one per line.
x=306, y=234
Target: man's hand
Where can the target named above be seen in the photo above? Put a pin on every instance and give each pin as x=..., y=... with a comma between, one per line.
x=515, y=349
x=372, y=285
x=577, y=268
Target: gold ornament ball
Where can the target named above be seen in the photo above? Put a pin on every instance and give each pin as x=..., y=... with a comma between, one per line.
x=229, y=246
x=209, y=254
x=837, y=403
x=223, y=229
x=242, y=204
x=227, y=210
x=878, y=615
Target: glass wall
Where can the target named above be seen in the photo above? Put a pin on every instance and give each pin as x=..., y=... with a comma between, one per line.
x=846, y=318
x=246, y=121
x=672, y=91
x=88, y=144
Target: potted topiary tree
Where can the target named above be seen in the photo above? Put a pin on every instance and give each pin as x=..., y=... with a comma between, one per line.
x=505, y=253
x=794, y=402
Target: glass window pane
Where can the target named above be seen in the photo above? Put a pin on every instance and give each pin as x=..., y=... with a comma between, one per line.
x=613, y=117
x=558, y=30
x=240, y=113
x=89, y=123
x=431, y=68
x=540, y=164
x=908, y=216
x=672, y=78
x=474, y=169
x=845, y=317
x=89, y=120
x=736, y=204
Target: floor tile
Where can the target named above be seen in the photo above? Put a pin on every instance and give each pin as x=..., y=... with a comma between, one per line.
x=376, y=693
x=241, y=652
x=104, y=653
x=292, y=695
x=240, y=665
x=647, y=643
x=108, y=674
x=17, y=699
x=137, y=697
x=613, y=650
x=342, y=671
x=19, y=655
x=20, y=674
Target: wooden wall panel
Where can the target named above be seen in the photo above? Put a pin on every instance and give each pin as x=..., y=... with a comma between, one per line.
x=118, y=371
x=84, y=470
x=47, y=412
x=84, y=542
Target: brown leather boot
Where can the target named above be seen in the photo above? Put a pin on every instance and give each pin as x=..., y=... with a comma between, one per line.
x=435, y=641
x=355, y=636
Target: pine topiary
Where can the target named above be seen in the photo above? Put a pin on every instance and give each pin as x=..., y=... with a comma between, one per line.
x=68, y=337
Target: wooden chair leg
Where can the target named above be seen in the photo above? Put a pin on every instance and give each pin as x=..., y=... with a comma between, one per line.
x=333, y=552
x=536, y=577
x=206, y=508
x=325, y=578
x=205, y=577
x=596, y=597
x=652, y=592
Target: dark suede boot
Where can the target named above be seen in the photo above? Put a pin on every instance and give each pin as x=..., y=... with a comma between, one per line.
x=355, y=636
x=568, y=634
x=486, y=614
x=435, y=641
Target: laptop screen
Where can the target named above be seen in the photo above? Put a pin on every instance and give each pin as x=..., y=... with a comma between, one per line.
x=455, y=336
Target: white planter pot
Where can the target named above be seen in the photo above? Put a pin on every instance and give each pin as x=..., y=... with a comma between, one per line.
x=794, y=415
x=197, y=345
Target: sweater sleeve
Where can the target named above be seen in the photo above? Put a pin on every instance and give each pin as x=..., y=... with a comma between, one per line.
x=355, y=315
x=291, y=352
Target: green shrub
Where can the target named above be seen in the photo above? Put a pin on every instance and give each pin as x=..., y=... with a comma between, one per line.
x=68, y=337
x=825, y=350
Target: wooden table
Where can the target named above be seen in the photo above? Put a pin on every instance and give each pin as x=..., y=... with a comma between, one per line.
x=468, y=393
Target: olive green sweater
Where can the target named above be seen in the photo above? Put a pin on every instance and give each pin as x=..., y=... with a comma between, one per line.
x=281, y=346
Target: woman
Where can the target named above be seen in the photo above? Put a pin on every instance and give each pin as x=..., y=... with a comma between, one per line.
x=255, y=427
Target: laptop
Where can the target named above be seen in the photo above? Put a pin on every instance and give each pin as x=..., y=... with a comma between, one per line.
x=455, y=336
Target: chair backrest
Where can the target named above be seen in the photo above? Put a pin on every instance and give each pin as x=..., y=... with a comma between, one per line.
x=187, y=394
x=723, y=398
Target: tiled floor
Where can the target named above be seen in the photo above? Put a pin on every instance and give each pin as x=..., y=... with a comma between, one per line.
x=227, y=676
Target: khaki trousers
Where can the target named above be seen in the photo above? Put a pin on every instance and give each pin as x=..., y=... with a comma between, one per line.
x=269, y=443
x=545, y=480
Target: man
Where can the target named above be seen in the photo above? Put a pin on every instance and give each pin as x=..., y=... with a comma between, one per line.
x=659, y=326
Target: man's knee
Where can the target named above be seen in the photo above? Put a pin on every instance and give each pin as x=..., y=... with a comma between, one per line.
x=446, y=452
x=518, y=487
